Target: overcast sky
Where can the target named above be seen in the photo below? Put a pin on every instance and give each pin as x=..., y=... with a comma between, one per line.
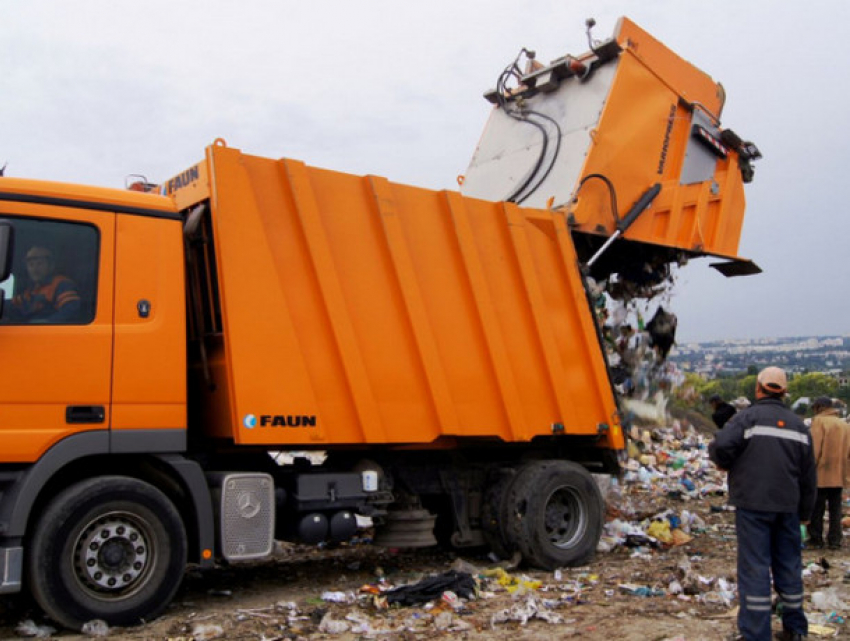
x=93, y=91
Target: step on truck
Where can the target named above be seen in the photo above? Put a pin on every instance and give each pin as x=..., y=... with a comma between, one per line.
x=260, y=350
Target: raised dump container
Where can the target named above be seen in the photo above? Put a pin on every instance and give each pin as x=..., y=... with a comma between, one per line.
x=594, y=134
x=356, y=310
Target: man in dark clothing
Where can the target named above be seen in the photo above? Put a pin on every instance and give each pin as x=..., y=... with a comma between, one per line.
x=722, y=411
x=767, y=451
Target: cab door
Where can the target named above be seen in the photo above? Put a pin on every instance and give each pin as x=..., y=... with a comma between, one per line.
x=56, y=329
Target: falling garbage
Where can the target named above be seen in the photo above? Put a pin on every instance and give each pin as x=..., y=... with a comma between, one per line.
x=662, y=332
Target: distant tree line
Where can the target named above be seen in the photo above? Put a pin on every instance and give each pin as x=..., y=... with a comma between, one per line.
x=695, y=391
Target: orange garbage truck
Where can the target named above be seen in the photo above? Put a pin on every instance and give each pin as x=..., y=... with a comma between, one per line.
x=259, y=350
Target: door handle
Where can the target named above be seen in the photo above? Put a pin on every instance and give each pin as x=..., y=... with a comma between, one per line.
x=85, y=414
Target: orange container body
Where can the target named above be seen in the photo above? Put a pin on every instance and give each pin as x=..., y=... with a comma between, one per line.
x=359, y=311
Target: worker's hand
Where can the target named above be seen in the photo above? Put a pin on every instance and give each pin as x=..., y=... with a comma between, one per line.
x=804, y=522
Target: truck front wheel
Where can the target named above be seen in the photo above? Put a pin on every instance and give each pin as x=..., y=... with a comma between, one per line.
x=111, y=548
x=554, y=514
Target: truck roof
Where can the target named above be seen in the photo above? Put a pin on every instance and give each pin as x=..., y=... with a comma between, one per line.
x=87, y=197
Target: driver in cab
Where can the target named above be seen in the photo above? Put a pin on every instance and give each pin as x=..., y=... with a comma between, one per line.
x=49, y=297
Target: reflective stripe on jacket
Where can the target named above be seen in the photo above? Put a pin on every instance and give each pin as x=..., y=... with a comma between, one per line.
x=44, y=300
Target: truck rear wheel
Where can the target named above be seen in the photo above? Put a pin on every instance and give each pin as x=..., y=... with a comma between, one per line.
x=495, y=513
x=111, y=548
x=554, y=514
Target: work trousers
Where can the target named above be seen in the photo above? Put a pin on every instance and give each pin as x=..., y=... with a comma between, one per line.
x=769, y=543
x=826, y=496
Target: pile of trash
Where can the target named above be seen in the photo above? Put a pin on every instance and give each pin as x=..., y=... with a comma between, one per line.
x=666, y=466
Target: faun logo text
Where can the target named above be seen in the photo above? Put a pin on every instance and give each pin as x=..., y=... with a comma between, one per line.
x=182, y=180
x=279, y=420
x=671, y=117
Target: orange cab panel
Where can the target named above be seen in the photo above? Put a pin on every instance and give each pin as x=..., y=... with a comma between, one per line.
x=61, y=346
x=150, y=325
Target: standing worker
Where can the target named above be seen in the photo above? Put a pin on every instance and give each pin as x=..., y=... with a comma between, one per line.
x=721, y=410
x=831, y=445
x=767, y=450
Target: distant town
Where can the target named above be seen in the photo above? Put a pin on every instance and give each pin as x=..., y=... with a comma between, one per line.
x=828, y=354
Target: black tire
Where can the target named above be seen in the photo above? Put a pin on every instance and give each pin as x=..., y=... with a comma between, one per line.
x=555, y=514
x=494, y=513
x=111, y=548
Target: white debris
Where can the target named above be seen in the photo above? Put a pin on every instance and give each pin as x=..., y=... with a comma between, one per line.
x=443, y=621
x=207, y=631
x=29, y=628
x=339, y=597
x=95, y=628
x=829, y=600
x=330, y=625
x=523, y=611
x=361, y=624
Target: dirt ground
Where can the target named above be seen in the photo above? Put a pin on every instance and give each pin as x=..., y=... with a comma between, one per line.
x=295, y=595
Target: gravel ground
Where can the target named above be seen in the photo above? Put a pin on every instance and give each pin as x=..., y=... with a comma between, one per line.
x=306, y=593
x=635, y=588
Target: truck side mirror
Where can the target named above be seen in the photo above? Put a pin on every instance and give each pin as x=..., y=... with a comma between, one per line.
x=7, y=237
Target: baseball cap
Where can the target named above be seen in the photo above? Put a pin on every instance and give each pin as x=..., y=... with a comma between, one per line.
x=773, y=379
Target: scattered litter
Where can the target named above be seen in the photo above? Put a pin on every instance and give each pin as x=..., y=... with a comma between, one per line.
x=513, y=584
x=339, y=597
x=828, y=600
x=525, y=610
x=834, y=617
x=329, y=625
x=207, y=631
x=95, y=628
x=822, y=630
x=29, y=628
x=261, y=613
x=443, y=621
x=452, y=600
x=361, y=624
x=460, y=583
x=640, y=590
x=465, y=567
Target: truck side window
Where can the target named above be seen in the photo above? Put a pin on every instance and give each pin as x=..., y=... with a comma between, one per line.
x=54, y=274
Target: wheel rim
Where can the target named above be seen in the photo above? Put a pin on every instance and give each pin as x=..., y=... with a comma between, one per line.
x=114, y=555
x=565, y=518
